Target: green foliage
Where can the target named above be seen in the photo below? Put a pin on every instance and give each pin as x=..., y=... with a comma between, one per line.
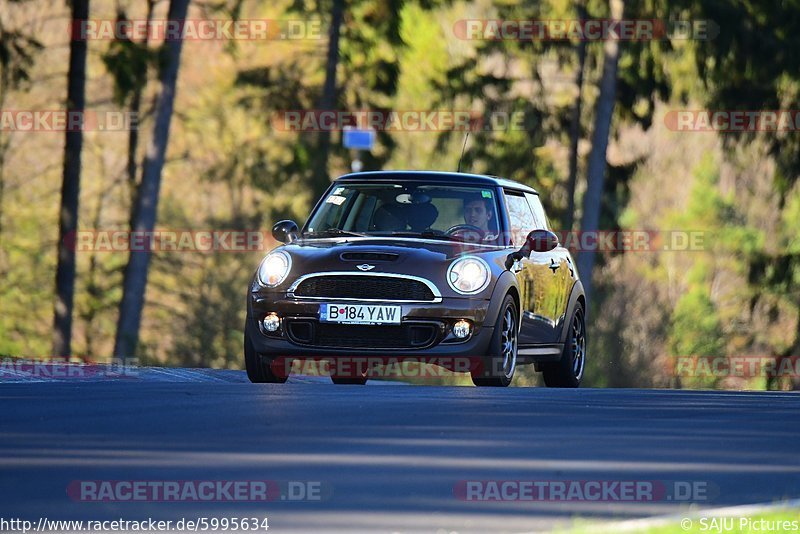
x=791, y=223
x=753, y=65
x=696, y=329
x=22, y=319
x=127, y=62
x=17, y=55
x=720, y=217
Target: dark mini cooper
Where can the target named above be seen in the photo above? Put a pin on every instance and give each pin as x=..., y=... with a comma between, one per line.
x=429, y=266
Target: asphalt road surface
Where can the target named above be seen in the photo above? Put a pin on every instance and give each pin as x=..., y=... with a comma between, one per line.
x=386, y=458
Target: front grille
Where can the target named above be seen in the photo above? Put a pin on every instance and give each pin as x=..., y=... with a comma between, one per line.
x=345, y=336
x=364, y=287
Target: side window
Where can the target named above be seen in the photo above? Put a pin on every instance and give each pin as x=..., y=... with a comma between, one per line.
x=520, y=217
x=538, y=211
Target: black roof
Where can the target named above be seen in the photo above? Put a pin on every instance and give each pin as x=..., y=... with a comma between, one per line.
x=462, y=178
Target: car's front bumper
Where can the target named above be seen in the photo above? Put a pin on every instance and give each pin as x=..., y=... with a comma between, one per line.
x=302, y=335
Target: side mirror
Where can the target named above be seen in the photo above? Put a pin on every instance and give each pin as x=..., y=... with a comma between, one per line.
x=541, y=241
x=285, y=231
x=537, y=241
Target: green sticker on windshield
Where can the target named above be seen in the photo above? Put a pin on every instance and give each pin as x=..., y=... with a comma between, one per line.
x=486, y=194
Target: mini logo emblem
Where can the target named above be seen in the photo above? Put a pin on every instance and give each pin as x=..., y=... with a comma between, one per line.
x=365, y=267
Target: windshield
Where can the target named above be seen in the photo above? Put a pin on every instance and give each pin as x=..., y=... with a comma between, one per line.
x=427, y=210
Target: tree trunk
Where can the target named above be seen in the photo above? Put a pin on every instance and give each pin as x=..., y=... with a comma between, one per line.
x=70, y=192
x=575, y=127
x=596, y=170
x=135, y=280
x=135, y=109
x=321, y=179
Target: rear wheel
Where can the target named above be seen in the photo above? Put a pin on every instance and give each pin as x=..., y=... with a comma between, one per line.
x=502, y=360
x=259, y=367
x=568, y=371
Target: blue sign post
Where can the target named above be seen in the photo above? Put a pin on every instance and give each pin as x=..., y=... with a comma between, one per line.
x=356, y=139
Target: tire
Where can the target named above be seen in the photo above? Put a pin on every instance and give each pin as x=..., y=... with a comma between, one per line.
x=359, y=379
x=348, y=381
x=501, y=362
x=259, y=367
x=568, y=371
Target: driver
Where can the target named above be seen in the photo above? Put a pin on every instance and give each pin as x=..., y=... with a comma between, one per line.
x=479, y=212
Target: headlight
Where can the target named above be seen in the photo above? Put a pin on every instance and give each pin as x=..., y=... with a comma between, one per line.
x=468, y=275
x=274, y=269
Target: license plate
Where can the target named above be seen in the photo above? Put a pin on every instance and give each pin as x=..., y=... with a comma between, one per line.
x=359, y=314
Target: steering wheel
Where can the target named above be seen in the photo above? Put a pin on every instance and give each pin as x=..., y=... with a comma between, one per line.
x=463, y=227
x=465, y=232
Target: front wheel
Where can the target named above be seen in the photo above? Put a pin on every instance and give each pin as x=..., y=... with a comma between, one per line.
x=568, y=371
x=502, y=360
x=259, y=368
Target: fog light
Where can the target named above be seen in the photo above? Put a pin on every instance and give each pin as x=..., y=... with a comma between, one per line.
x=271, y=322
x=462, y=329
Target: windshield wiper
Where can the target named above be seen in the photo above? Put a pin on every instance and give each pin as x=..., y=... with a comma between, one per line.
x=334, y=232
x=427, y=234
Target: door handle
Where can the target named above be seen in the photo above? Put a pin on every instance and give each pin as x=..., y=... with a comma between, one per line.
x=554, y=265
x=571, y=268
